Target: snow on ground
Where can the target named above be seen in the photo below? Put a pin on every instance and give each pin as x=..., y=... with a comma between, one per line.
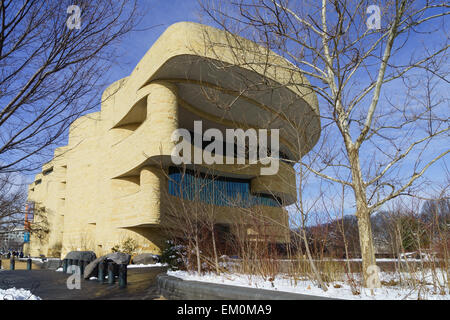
x=338, y=289
x=17, y=294
x=402, y=259
x=130, y=266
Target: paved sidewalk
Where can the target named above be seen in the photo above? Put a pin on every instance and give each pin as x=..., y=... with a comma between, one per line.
x=51, y=285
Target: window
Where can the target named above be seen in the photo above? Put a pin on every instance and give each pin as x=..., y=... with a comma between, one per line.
x=220, y=191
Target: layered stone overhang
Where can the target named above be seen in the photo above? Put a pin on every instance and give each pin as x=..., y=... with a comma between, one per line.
x=113, y=172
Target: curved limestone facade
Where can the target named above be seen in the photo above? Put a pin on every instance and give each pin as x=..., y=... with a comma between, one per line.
x=111, y=181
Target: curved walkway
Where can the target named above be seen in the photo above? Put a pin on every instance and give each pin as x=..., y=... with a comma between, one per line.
x=51, y=285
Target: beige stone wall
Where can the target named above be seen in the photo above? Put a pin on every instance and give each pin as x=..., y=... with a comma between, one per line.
x=108, y=183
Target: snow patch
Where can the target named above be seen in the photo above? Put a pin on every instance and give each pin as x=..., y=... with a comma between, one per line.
x=158, y=264
x=337, y=289
x=17, y=294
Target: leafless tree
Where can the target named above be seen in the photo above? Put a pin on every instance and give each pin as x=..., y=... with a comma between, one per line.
x=303, y=212
x=51, y=72
x=183, y=220
x=384, y=110
x=12, y=202
x=195, y=208
x=39, y=227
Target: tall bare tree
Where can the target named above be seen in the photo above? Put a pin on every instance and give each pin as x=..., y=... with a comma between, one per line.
x=12, y=201
x=53, y=58
x=379, y=73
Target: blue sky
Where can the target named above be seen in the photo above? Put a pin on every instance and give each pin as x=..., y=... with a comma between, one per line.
x=158, y=14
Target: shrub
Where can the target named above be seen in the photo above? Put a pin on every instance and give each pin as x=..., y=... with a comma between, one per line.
x=173, y=255
x=129, y=245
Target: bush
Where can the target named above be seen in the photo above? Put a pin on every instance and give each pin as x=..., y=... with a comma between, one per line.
x=129, y=245
x=173, y=255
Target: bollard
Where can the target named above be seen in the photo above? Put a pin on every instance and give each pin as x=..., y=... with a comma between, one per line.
x=122, y=276
x=116, y=269
x=69, y=266
x=111, y=276
x=12, y=263
x=81, y=266
x=65, y=265
x=74, y=266
x=28, y=264
x=101, y=272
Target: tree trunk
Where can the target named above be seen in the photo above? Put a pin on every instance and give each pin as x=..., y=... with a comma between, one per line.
x=216, y=259
x=311, y=262
x=369, y=267
x=197, y=250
